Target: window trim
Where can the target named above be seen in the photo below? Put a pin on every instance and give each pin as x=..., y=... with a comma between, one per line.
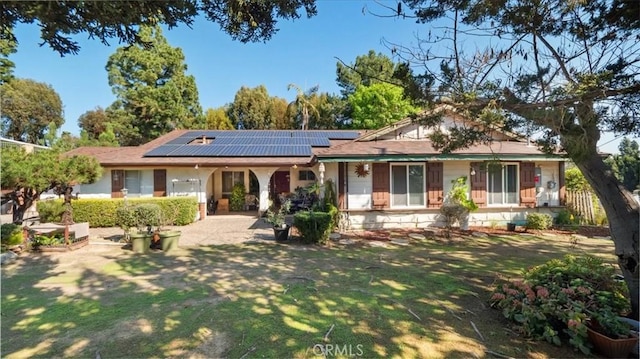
x=517, y=189
x=232, y=179
x=422, y=186
x=300, y=172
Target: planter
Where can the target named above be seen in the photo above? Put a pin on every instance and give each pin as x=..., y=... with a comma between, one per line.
x=281, y=234
x=140, y=242
x=609, y=347
x=511, y=227
x=169, y=240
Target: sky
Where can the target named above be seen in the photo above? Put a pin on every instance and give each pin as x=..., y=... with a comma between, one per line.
x=303, y=52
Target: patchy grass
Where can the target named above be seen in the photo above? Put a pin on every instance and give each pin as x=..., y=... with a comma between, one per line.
x=272, y=300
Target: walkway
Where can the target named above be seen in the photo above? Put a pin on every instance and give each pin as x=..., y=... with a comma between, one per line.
x=213, y=230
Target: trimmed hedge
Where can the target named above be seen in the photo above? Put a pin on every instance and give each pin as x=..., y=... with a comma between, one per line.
x=314, y=227
x=101, y=212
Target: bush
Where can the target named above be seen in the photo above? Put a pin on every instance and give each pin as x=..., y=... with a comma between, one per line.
x=99, y=212
x=147, y=215
x=565, y=217
x=11, y=235
x=560, y=296
x=314, y=227
x=236, y=201
x=539, y=221
x=126, y=218
x=50, y=211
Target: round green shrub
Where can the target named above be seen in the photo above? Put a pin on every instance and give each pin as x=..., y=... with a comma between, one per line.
x=539, y=221
x=50, y=211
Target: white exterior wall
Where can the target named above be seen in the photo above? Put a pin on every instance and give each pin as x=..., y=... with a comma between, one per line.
x=359, y=196
x=546, y=194
x=100, y=189
x=451, y=171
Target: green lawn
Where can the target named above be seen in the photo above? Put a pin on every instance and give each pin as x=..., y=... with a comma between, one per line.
x=275, y=301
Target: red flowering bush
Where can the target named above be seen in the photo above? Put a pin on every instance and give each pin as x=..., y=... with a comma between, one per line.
x=557, y=298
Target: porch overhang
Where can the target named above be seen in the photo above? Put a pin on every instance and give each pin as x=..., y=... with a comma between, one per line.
x=443, y=157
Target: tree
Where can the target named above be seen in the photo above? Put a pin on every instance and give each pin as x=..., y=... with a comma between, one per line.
x=94, y=122
x=217, y=119
x=566, y=68
x=301, y=107
x=378, y=105
x=250, y=109
x=575, y=181
x=626, y=165
x=8, y=46
x=154, y=94
x=31, y=174
x=243, y=20
x=282, y=119
x=367, y=70
x=28, y=107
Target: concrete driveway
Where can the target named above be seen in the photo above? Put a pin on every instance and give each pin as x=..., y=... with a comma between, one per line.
x=213, y=230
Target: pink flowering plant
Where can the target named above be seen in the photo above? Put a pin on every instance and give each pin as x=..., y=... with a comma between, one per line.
x=558, y=299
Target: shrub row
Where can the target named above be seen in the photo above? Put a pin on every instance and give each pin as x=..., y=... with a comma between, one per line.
x=101, y=212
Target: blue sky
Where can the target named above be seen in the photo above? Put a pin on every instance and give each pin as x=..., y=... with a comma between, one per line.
x=304, y=52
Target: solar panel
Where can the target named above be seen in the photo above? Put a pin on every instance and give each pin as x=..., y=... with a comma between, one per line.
x=162, y=151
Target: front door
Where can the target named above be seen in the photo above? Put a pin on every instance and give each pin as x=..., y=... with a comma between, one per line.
x=280, y=183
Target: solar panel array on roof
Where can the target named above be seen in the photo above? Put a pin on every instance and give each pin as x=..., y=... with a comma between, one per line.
x=248, y=143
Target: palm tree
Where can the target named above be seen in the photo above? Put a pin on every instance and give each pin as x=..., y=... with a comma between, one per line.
x=302, y=104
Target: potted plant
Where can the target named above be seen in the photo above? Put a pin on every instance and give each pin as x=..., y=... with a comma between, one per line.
x=457, y=205
x=143, y=218
x=611, y=335
x=167, y=239
x=277, y=221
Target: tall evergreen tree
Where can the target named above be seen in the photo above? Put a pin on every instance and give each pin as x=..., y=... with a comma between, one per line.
x=154, y=94
x=250, y=109
x=626, y=164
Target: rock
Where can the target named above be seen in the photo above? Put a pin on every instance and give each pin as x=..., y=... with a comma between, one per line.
x=417, y=236
x=400, y=241
x=335, y=236
x=346, y=241
x=8, y=257
x=480, y=234
x=377, y=244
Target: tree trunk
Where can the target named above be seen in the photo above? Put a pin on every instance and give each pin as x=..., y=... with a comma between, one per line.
x=624, y=221
x=22, y=198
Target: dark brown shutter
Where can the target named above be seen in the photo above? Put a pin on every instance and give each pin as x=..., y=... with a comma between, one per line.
x=117, y=183
x=562, y=191
x=479, y=184
x=341, y=185
x=528, y=184
x=435, y=185
x=159, y=183
x=380, y=185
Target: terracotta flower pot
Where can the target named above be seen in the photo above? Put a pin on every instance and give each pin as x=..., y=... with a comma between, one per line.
x=609, y=347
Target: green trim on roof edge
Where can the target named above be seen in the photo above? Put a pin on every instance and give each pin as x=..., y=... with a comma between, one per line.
x=448, y=157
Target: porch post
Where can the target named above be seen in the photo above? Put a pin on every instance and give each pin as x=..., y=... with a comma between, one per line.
x=263, y=175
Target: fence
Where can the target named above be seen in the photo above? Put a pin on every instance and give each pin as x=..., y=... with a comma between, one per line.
x=582, y=203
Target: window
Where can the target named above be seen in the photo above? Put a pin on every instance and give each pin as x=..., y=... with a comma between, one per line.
x=230, y=179
x=502, y=184
x=407, y=185
x=132, y=182
x=306, y=175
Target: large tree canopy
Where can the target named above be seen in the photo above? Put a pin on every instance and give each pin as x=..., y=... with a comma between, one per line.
x=154, y=94
x=626, y=164
x=31, y=173
x=59, y=21
x=28, y=107
x=378, y=105
x=565, y=69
